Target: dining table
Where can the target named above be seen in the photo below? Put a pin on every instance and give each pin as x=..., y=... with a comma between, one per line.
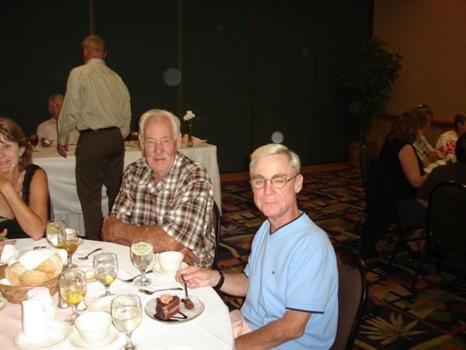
x=209, y=329
x=62, y=179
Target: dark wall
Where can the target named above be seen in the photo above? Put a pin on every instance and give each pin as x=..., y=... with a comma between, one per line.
x=248, y=67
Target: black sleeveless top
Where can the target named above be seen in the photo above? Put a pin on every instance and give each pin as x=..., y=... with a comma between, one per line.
x=14, y=230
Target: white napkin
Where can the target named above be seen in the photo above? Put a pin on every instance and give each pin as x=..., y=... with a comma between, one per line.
x=9, y=254
x=38, y=313
x=33, y=258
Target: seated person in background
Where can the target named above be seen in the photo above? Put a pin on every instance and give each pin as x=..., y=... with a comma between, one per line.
x=24, y=195
x=47, y=131
x=423, y=148
x=446, y=142
x=450, y=172
x=404, y=167
x=291, y=279
x=165, y=197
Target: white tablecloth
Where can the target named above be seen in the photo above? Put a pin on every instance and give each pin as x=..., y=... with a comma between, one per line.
x=62, y=180
x=210, y=330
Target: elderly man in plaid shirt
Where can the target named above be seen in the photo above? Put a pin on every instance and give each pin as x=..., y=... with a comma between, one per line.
x=165, y=198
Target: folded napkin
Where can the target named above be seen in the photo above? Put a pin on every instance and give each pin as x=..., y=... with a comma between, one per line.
x=9, y=254
x=33, y=258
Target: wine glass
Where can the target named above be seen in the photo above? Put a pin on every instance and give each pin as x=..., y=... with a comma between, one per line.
x=105, y=267
x=142, y=253
x=127, y=315
x=68, y=239
x=54, y=227
x=73, y=288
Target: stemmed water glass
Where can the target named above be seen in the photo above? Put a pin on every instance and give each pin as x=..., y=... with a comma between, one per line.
x=127, y=315
x=142, y=254
x=54, y=227
x=69, y=240
x=73, y=288
x=105, y=267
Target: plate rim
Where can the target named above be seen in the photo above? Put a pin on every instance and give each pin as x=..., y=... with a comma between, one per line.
x=67, y=330
x=84, y=345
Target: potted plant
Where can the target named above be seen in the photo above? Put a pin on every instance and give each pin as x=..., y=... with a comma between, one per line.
x=365, y=77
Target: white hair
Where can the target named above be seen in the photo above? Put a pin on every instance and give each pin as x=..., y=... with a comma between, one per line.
x=162, y=114
x=273, y=149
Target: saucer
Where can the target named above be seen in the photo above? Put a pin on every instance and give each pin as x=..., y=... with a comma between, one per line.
x=56, y=333
x=76, y=340
x=158, y=270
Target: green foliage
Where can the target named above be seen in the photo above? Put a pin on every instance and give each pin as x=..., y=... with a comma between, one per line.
x=365, y=79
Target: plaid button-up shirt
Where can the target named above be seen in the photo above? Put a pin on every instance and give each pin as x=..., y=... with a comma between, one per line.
x=181, y=204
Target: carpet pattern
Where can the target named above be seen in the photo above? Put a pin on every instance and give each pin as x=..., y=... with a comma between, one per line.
x=434, y=318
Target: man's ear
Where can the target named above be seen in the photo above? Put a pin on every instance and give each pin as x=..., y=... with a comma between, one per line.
x=298, y=183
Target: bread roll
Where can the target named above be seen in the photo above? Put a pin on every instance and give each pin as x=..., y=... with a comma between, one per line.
x=14, y=272
x=52, y=266
x=33, y=278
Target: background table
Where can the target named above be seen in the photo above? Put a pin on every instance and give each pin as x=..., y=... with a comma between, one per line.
x=210, y=330
x=62, y=179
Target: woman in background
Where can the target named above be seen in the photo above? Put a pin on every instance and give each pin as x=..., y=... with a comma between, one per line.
x=24, y=201
x=404, y=167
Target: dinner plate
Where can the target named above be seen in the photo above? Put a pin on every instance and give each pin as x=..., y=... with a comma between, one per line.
x=56, y=333
x=190, y=314
x=158, y=270
x=76, y=340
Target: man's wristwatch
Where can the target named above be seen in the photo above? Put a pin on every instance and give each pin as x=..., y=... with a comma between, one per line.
x=220, y=282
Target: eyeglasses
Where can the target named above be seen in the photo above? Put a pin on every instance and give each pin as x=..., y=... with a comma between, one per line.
x=277, y=182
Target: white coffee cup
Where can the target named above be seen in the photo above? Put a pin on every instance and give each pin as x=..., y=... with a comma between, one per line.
x=93, y=326
x=170, y=261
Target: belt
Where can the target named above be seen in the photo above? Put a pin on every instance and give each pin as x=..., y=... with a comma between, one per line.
x=97, y=130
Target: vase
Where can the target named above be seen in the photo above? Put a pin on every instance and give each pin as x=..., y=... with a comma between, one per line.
x=190, y=135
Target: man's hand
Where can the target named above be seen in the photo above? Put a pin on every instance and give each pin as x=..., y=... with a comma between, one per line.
x=189, y=257
x=62, y=150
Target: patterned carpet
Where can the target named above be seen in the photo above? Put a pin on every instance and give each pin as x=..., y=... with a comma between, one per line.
x=435, y=318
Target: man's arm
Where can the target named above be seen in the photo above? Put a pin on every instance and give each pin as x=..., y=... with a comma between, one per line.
x=288, y=327
x=114, y=230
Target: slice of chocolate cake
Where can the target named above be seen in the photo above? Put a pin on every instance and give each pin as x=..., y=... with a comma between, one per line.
x=167, y=306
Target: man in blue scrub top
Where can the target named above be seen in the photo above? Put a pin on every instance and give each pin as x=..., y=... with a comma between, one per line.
x=291, y=279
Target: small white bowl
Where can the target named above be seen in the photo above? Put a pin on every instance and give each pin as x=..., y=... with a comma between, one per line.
x=93, y=326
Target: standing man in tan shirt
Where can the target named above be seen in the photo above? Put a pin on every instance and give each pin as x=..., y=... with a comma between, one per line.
x=97, y=103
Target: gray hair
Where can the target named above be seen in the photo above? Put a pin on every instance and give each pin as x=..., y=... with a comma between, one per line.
x=161, y=114
x=275, y=149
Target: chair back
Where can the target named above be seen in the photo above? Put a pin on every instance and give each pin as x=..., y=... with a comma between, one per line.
x=217, y=226
x=352, y=294
x=446, y=217
x=380, y=197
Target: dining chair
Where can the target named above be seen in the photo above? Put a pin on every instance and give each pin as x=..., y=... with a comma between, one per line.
x=352, y=295
x=446, y=220
x=382, y=214
x=217, y=228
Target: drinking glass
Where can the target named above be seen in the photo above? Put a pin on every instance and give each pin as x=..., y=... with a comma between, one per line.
x=54, y=227
x=105, y=267
x=73, y=288
x=142, y=254
x=68, y=239
x=127, y=315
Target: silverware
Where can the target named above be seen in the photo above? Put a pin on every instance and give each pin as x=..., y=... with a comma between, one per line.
x=186, y=301
x=85, y=257
x=150, y=292
x=39, y=247
x=129, y=280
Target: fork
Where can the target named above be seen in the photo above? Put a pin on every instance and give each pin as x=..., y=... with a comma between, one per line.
x=85, y=257
x=131, y=279
x=150, y=292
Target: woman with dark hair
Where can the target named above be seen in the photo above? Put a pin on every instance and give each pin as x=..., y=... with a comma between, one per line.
x=24, y=195
x=446, y=143
x=404, y=166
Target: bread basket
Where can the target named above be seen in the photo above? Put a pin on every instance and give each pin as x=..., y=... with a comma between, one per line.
x=16, y=294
